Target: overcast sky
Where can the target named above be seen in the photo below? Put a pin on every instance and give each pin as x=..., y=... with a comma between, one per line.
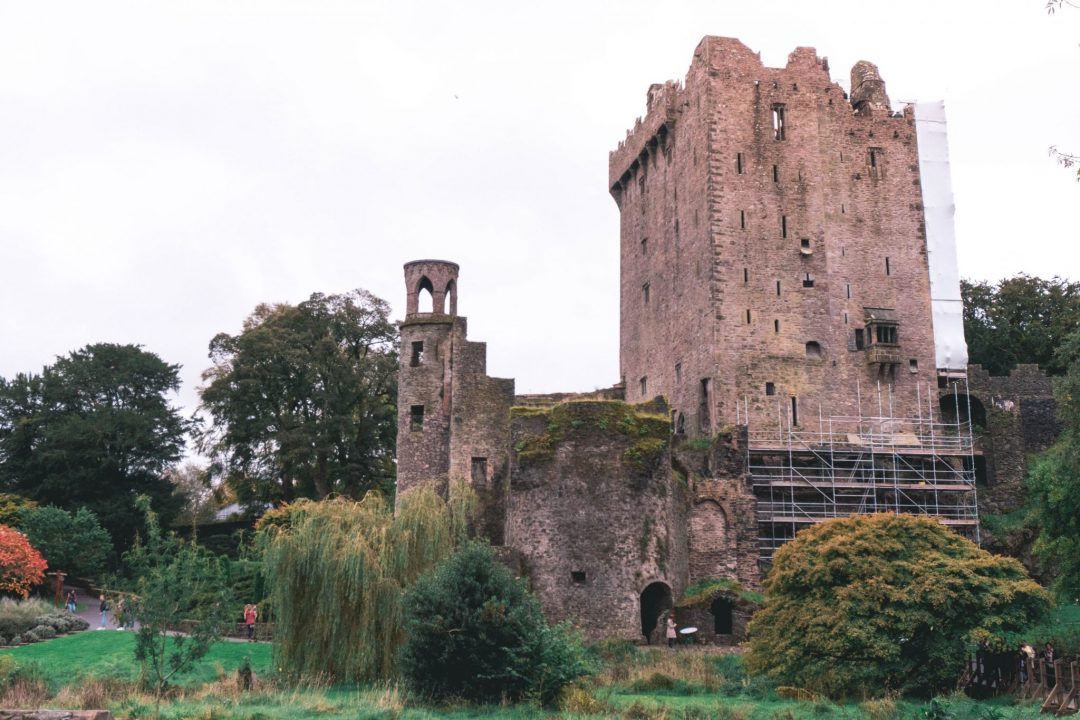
x=164, y=167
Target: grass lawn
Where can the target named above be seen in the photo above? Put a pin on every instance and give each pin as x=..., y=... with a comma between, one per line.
x=94, y=669
x=110, y=653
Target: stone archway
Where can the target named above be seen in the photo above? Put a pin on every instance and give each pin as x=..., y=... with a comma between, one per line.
x=656, y=599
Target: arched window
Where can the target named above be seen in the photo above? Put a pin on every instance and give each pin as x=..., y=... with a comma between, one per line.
x=655, y=600
x=425, y=293
x=451, y=294
x=813, y=350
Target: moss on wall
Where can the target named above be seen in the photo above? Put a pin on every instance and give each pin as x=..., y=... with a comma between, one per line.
x=593, y=420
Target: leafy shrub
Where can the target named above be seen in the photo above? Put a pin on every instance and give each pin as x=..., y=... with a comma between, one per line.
x=17, y=616
x=3, y=641
x=16, y=640
x=823, y=626
x=30, y=637
x=476, y=633
x=76, y=623
x=44, y=632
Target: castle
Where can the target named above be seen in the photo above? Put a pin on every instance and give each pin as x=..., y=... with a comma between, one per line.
x=791, y=349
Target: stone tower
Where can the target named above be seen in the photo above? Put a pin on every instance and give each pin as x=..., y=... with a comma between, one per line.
x=773, y=246
x=453, y=420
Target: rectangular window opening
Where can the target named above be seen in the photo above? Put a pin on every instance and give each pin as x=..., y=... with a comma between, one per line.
x=885, y=334
x=913, y=365
x=746, y=275
x=645, y=292
x=742, y=219
x=738, y=163
x=778, y=288
x=808, y=281
x=794, y=410
x=843, y=210
x=770, y=388
x=848, y=291
x=845, y=318
x=747, y=317
x=644, y=245
x=705, y=405
x=479, y=470
x=578, y=577
x=678, y=373
x=778, y=121
x=776, y=173
x=417, y=358
x=860, y=339
x=888, y=268
x=783, y=226
x=804, y=246
x=776, y=325
x=416, y=418
x=644, y=383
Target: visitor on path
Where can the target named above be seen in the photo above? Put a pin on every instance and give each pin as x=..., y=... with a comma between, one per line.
x=121, y=614
x=1048, y=656
x=251, y=613
x=671, y=633
x=71, y=604
x=104, y=608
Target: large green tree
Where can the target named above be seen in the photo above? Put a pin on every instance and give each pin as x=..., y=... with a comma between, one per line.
x=1021, y=319
x=1054, y=481
x=869, y=604
x=94, y=429
x=302, y=401
x=73, y=543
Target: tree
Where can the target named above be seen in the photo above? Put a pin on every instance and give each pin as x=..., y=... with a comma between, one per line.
x=11, y=507
x=177, y=584
x=862, y=605
x=1054, y=481
x=199, y=500
x=75, y=544
x=21, y=566
x=336, y=571
x=1022, y=319
x=93, y=430
x=302, y=401
x=476, y=632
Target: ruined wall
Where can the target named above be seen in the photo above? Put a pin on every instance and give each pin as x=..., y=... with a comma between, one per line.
x=738, y=218
x=1016, y=416
x=594, y=511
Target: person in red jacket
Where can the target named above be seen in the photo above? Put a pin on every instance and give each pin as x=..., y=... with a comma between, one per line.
x=251, y=613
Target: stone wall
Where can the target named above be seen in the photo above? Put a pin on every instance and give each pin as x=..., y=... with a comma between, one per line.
x=1017, y=416
x=595, y=513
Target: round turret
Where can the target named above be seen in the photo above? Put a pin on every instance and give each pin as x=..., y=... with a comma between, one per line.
x=437, y=277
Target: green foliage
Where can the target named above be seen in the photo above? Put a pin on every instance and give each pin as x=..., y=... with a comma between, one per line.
x=475, y=632
x=580, y=420
x=72, y=543
x=336, y=571
x=94, y=430
x=303, y=400
x=177, y=584
x=11, y=507
x=1022, y=319
x=705, y=591
x=862, y=605
x=20, y=616
x=1054, y=482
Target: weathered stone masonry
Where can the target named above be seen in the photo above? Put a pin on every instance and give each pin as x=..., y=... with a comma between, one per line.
x=773, y=262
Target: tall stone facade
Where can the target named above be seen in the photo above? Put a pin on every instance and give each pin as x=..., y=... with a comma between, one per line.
x=773, y=246
x=773, y=272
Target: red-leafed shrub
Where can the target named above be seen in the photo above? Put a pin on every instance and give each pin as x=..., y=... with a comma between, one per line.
x=21, y=566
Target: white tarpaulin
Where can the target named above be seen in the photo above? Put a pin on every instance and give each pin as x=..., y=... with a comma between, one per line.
x=948, y=309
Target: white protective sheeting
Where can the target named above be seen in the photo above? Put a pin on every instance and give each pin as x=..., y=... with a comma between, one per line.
x=948, y=309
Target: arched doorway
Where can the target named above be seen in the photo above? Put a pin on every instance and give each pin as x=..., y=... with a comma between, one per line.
x=954, y=409
x=723, y=611
x=655, y=599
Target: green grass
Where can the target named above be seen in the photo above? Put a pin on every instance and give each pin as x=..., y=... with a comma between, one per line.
x=210, y=690
x=109, y=653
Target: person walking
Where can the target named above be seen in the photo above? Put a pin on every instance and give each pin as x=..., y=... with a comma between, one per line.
x=104, y=608
x=251, y=613
x=71, y=603
x=671, y=633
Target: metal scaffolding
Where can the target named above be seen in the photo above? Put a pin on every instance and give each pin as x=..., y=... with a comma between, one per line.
x=853, y=465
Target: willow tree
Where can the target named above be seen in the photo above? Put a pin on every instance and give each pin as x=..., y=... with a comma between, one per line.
x=337, y=570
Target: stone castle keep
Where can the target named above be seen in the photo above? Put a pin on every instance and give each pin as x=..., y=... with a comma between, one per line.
x=785, y=355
